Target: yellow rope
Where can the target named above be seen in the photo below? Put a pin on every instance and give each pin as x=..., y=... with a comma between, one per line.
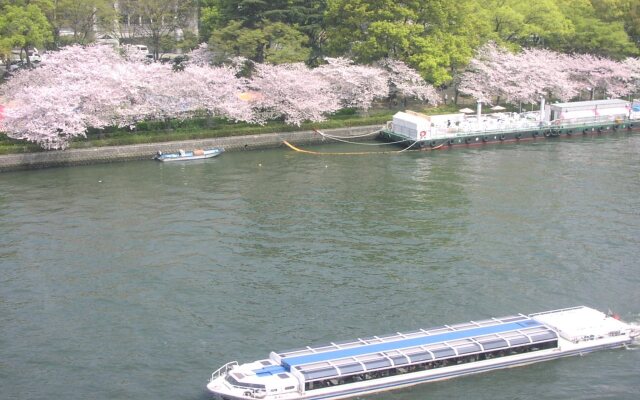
x=292, y=147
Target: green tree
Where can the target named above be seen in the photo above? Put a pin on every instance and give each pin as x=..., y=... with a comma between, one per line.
x=82, y=15
x=518, y=23
x=626, y=12
x=273, y=42
x=209, y=18
x=274, y=31
x=597, y=30
x=24, y=27
x=370, y=30
x=158, y=19
x=436, y=37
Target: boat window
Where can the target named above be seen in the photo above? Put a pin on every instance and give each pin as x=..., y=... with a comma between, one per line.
x=540, y=337
x=421, y=365
x=266, y=362
x=319, y=373
x=377, y=364
x=289, y=388
x=399, y=360
x=471, y=348
x=313, y=366
x=459, y=342
x=283, y=376
x=518, y=340
x=494, y=344
x=417, y=357
x=443, y=353
x=350, y=368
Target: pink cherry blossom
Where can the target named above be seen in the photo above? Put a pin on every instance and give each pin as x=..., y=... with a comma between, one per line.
x=524, y=77
x=407, y=82
x=355, y=85
x=291, y=91
x=78, y=88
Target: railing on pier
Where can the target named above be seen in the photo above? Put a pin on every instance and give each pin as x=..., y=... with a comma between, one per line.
x=510, y=125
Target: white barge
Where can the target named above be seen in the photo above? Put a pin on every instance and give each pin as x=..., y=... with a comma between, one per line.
x=374, y=364
x=574, y=119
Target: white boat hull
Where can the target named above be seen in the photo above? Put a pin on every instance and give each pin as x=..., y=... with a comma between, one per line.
x=189, y=156
x=580, y=330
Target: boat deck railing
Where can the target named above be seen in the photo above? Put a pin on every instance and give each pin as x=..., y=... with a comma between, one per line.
x=557, y=311
x=223, y=370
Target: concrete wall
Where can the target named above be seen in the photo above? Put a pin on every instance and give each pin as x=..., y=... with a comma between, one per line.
x=108, y=154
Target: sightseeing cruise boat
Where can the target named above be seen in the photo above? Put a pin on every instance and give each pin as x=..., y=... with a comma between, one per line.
x=421, y=131
x=378, y=363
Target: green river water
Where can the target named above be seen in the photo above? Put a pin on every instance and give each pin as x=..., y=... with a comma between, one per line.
x=137, y=280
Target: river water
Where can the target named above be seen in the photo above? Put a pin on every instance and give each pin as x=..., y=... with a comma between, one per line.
x=136, y=280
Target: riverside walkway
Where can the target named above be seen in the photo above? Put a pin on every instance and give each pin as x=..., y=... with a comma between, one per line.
x=107, y=154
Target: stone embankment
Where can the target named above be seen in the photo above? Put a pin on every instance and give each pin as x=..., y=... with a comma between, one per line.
x=109, y=154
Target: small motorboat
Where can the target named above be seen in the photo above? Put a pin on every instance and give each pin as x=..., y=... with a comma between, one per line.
x=182, y=155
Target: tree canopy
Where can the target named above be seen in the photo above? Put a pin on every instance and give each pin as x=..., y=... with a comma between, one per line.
x=23, y=27
x=436, y=37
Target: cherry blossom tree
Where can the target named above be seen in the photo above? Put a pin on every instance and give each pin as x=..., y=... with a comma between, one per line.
x=201, y=55
x=633, y=64
x=524, y=77
x=591, y=72
x=52, y=104
x=291, y=91
x=486, y=73
x=407, y=82
x=356, y=85
x=79, y=88
x=216, y=90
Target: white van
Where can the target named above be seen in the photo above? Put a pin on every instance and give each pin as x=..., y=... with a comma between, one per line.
x=140, y=47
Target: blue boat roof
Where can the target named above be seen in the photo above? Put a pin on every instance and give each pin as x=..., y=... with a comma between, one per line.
x=293, y=361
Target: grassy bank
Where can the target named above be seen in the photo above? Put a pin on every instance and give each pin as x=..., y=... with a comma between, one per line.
x=205, y=128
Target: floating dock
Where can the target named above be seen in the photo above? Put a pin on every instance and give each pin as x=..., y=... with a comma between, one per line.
x=415, y=130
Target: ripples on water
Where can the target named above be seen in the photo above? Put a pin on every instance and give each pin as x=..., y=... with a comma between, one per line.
x=137, y=280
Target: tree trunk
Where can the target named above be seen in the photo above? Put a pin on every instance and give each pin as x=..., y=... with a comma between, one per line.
x=26, y=52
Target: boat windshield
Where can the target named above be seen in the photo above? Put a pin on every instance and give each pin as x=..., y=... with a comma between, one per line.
x=243, y=385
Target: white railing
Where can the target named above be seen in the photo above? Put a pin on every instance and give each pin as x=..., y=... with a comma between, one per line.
x=223, y=370
x=509, y=126
x=557, y=311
